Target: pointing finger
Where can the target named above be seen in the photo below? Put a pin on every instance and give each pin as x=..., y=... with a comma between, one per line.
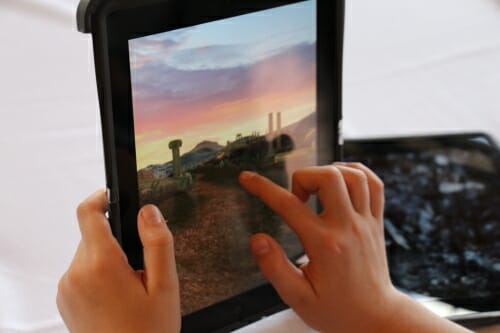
x=289, y=207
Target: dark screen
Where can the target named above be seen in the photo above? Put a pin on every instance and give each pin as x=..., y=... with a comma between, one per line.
x=442, y=216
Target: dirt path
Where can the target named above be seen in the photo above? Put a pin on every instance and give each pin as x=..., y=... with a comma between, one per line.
x=212, y=223
x=212, y=252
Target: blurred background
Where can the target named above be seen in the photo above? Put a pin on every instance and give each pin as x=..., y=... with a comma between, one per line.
x=411, y=67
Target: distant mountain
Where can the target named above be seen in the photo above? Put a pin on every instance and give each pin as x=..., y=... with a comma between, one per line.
x=302, y=131
x=207, y=145
x=202, y=152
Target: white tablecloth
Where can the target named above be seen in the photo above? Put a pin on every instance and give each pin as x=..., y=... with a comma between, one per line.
x=426, y=66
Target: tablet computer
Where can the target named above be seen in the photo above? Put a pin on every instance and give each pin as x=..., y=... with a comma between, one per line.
x=442, y=216
x=193, y=92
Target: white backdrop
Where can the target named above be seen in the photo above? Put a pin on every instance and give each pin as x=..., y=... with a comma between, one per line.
x=426, y=66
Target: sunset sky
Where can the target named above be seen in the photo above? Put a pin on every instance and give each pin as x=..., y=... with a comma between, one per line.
x=213, y=81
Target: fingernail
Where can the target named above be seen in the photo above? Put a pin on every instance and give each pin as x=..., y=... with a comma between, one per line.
x=152, y=215
x=247, y=175
x=260, y=246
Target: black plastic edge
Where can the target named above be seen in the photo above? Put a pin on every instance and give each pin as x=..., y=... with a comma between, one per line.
x=82, y=15
x=237, y=312
x=90, y=10
x=339, y=74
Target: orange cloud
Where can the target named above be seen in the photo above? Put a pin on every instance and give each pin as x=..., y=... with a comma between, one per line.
x=282, y=83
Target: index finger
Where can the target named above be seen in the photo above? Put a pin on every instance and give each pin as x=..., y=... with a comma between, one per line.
x=94, y=225
x=290, y=208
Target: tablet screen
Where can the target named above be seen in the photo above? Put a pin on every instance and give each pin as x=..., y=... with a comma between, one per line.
x=210, y=101
x=442, y=216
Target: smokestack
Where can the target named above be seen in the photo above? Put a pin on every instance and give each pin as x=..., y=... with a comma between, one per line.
x=278, y=129
x=271, y=125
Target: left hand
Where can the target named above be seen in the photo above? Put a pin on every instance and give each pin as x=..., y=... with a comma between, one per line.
x=100, y=292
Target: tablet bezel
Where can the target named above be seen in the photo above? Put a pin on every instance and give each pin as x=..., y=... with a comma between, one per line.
x=112, y=24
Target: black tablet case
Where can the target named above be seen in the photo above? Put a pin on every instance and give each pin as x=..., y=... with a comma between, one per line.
x=92, y=16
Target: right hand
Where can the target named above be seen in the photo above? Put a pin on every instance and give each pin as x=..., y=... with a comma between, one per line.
x=345, y=287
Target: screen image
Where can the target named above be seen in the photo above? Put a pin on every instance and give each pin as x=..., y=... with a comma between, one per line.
x=210, y=101
x=442, y=217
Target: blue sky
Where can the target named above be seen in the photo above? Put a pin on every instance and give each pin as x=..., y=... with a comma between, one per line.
x=231, y=42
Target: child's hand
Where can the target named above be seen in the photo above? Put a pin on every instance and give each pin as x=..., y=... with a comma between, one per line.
x=346, y=286
x=100, y=292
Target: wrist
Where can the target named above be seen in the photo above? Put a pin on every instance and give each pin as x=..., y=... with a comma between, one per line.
x=407, y=315
x=397, y=303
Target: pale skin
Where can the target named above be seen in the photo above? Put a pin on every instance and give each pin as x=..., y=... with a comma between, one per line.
x=345, y=287
x=100, y=292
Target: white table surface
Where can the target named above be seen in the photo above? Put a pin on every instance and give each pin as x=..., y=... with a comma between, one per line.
x=411, y=67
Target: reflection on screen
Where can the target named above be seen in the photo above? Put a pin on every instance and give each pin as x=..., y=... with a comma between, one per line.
x=210, y=101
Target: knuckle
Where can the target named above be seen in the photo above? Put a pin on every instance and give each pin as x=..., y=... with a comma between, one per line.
x=73, y=280
x=358, y=165
x=359, y=229
x=75, y=284
x=63, y=292
x=360, y=176
x=329, y=242
x=99, y=266
x=61, y=286
x=332, y=174
x=379, y=184
x=83, y=209
x=339, y=243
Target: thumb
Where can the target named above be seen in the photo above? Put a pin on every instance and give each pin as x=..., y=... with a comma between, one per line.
x=158, y=246
x=288, y=280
